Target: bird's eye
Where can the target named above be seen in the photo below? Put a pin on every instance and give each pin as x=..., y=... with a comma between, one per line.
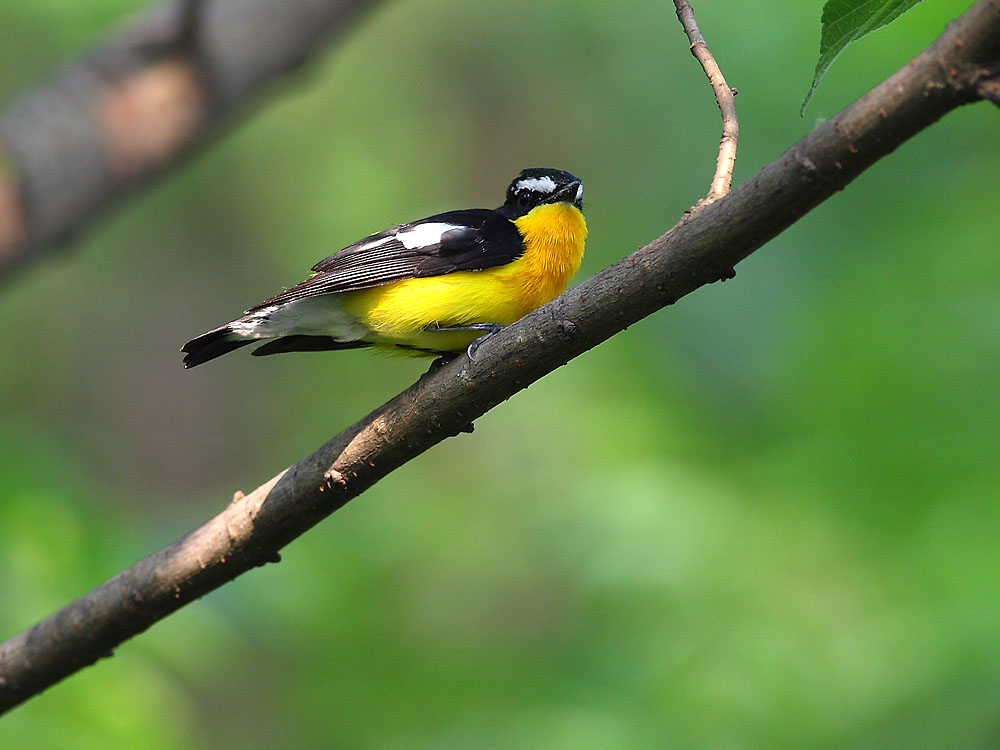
x=523, y=197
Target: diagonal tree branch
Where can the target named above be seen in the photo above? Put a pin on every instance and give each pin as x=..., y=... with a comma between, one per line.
x=130, y=109
x=699, y=250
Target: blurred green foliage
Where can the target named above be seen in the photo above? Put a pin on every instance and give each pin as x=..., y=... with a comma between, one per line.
x=765, y=517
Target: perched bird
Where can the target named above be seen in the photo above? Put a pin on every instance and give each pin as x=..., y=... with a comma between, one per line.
x=434, y=286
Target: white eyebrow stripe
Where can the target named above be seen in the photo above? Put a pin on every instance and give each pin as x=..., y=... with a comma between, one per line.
x=424, y=235
x=579, y=192
x=537, y=184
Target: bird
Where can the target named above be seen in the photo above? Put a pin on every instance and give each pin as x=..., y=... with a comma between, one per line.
x=436, y=287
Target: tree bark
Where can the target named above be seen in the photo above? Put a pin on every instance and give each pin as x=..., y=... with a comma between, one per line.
x=702, y=248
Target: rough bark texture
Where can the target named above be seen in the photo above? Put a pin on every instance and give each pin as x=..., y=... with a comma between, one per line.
x=132, y=107
x=701, y=249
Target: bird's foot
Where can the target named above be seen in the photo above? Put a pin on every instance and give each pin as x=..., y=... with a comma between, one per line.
x=488, y=328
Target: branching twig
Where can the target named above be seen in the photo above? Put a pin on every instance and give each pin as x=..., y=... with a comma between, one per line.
x=133, y=107
x=252, y=529
x=989, y=89
x=725, y=97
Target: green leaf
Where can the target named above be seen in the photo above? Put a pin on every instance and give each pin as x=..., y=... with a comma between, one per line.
x=846, y=21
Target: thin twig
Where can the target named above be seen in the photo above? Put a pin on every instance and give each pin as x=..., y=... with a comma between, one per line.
x=725, y=97
x=252, y=529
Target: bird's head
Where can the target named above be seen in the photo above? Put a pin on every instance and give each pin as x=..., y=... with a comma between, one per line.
x=539, y=185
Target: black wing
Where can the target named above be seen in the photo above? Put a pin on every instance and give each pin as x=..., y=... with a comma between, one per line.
x=468, y=240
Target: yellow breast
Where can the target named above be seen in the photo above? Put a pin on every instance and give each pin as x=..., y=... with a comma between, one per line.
x=402, y=311
x=554, y=236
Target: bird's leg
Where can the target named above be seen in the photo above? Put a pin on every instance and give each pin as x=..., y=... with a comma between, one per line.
x=489, y=328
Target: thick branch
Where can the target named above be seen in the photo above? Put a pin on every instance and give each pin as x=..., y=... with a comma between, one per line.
x=252, y=529
x=130, y=109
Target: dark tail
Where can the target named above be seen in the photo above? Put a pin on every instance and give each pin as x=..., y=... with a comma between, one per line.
x=300, y=343
x=211, y=345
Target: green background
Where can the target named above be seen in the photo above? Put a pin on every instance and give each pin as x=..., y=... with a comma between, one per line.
x=764, y=517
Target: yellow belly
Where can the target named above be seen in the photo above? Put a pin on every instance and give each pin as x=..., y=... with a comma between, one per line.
x=402, y=312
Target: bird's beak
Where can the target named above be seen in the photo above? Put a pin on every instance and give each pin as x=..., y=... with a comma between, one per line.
x=571, y=192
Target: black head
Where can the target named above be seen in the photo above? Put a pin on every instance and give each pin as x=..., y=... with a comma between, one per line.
x=539, y=185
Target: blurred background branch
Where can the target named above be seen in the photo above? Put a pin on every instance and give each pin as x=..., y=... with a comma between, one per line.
x=149, y=96
x=696, y=252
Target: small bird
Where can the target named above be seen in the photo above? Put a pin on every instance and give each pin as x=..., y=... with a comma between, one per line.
x=436, y=286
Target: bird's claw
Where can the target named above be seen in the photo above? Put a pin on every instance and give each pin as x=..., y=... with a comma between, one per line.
x=490, y=328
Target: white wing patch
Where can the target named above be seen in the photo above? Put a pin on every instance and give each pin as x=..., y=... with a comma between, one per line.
x=424, y=235
x=537, y=184
x=375, y=243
